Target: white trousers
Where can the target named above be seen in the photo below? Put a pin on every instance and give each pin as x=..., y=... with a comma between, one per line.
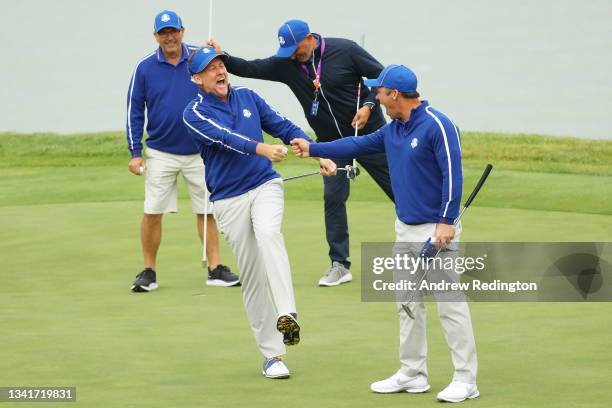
x=454, y=317
x=161, y=187
x=251, y=223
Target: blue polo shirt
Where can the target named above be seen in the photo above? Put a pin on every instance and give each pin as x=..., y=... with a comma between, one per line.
x=163, y=90
x=227, y=134
x=424, y=156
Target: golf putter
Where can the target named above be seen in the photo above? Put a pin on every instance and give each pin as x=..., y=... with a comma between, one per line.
x=429, y=249
x=351, y=173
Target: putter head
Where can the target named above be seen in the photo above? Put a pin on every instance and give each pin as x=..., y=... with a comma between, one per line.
x=406, y=307
x=352, y=172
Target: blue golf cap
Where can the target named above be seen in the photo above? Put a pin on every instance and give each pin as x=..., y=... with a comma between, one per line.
x=202, y=57
x=167, y=19
x=289, y=35
x=395, y=77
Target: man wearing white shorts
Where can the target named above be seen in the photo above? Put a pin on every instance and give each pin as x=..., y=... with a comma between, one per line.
x=424, y=150
x=161, y=86
x=227, y=124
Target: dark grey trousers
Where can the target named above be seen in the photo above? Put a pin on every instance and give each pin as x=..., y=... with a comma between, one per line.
x=336, y=191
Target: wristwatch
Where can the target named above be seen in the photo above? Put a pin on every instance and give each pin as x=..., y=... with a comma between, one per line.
x=370, y=105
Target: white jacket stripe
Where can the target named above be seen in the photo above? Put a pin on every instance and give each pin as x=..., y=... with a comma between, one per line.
x=194, y=109
x=129, y=109
x=450, y=168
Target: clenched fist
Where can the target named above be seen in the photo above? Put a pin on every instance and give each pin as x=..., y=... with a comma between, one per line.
x=274, y=153
x=300, y=147
x=137, y=166
x=328, y=167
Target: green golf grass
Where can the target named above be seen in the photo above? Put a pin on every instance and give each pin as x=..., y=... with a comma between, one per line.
x=69, y=250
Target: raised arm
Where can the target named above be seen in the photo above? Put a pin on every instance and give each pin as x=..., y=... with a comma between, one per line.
x=266, y=68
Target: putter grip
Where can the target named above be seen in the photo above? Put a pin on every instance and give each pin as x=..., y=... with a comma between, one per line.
x=482, y=180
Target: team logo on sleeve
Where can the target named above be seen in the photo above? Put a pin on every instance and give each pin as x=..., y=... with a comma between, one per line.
x=246, y=113
x=165, y=18
x=281, y=40
x=414, y=143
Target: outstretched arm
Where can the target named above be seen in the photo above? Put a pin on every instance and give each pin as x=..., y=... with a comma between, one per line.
x=265, y=68
x=345, y=148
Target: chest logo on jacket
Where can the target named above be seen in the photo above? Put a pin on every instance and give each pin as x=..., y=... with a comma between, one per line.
x=246, y=113
x=414, y=143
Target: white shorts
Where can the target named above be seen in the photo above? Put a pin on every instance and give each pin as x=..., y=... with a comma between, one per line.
x=161, y=177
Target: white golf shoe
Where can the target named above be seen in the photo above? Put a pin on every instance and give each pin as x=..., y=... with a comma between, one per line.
x=458, y=391
x=399, y=382
x=275, y=368
x=336, y=275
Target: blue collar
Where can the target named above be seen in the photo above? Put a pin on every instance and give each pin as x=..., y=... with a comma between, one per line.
x=212, y=99
x=162, y=58
x=415, y=114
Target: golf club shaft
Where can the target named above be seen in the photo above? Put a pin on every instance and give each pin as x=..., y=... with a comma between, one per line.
x=205, y=232
x=302, y=176
x=204, y=238
x=313, y=174
x=210, y=16
x=362, y=41
x=357, y=111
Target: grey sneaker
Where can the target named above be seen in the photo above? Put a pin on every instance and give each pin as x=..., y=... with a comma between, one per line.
x=222, y=276
x=146, y=281
x=336, y=275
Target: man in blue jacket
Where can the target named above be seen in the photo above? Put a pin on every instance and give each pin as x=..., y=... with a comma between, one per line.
x=424, y=151
x=323, y=73
x=226, y=124
x=161, y=84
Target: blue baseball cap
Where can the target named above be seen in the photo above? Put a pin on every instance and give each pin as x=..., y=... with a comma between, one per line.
x=167, y=19
x=202, y=57
x=395, y=77
x=289, y=35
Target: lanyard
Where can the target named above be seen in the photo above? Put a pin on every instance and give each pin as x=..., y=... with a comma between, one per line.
x=317, y=81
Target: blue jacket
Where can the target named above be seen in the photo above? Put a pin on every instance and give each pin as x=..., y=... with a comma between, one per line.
x=164, y=90
x=424, y=163
x=227, y=134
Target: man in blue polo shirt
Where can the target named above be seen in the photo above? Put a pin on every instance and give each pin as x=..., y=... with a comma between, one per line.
x=248, y=195
x=162, y=86
x=424, y=151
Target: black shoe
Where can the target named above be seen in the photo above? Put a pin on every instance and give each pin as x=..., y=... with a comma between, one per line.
x=222, y=276
x=288, y=325
x=145, y=281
